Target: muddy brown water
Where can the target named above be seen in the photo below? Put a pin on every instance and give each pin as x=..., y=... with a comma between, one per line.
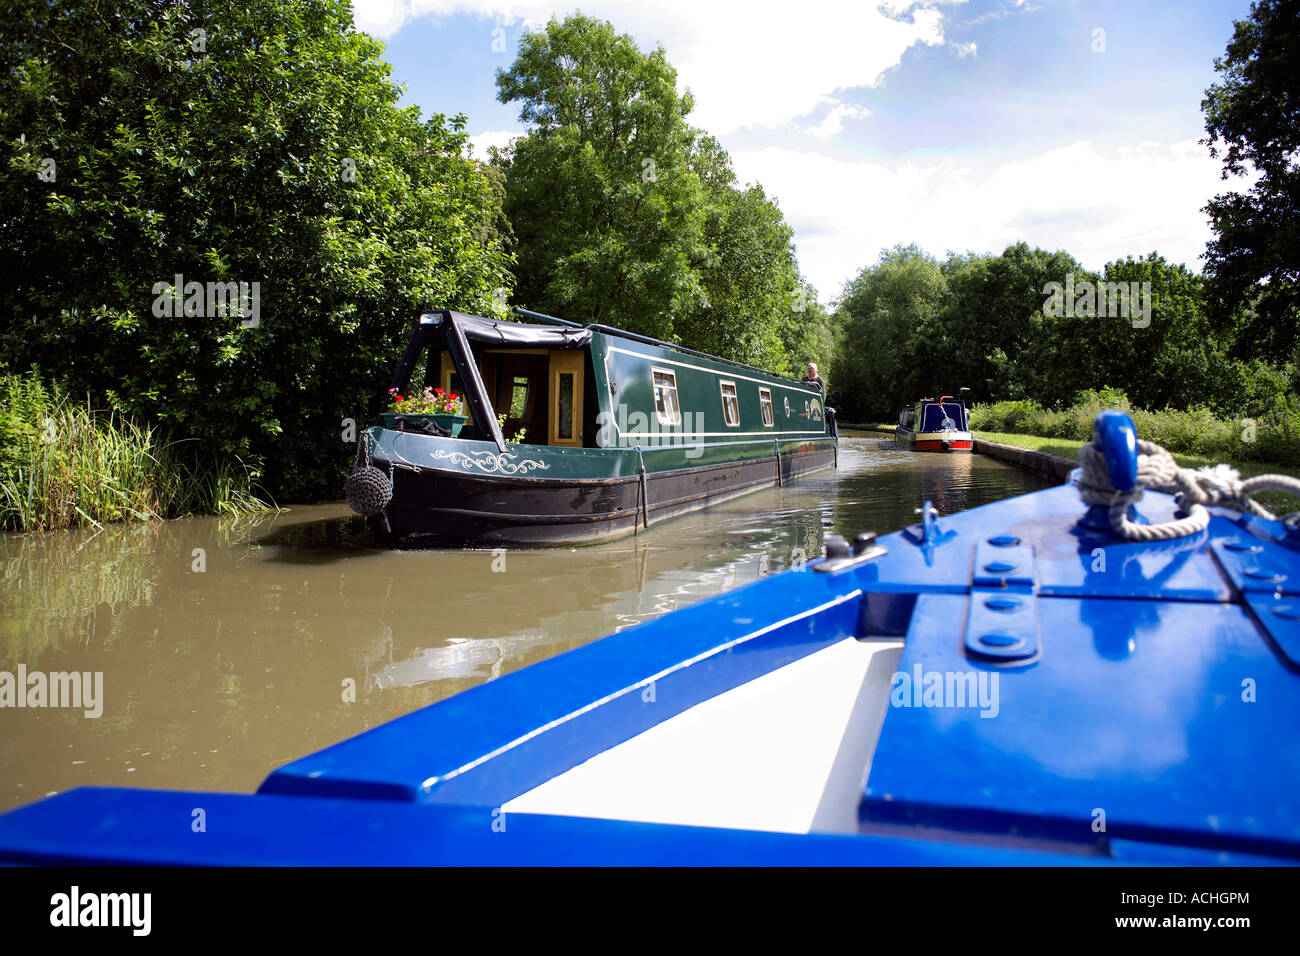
x=229, y=647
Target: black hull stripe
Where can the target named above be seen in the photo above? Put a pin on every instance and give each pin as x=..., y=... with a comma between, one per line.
x=612, y=515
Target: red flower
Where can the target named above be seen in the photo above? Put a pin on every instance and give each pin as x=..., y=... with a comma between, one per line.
x=451, y=397
x=437, y=391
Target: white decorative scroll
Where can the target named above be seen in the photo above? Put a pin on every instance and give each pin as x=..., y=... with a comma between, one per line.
x=487, y=461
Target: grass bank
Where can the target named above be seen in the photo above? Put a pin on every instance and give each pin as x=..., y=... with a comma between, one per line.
x=64, y=464
x=1068, y=448
x=1273, y=439
x=1065, y=448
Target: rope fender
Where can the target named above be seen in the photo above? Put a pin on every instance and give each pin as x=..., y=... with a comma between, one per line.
x=368, y=489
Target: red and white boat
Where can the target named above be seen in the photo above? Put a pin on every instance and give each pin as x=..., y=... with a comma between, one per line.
x=930, y=425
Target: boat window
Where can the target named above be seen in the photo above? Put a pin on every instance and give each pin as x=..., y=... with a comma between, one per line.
x=564, y=423
x=765, y=400
x=730, y=407
x=787, y=406
x=666, y=407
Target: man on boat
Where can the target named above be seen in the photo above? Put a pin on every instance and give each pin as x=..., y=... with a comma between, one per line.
x=812, y=378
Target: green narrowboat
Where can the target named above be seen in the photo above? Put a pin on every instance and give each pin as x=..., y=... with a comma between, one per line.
x=610, y=432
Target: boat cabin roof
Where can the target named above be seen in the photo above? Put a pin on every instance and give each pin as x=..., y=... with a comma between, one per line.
x=495, y=332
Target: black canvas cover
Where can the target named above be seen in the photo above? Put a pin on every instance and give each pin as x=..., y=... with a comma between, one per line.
x=495, y=332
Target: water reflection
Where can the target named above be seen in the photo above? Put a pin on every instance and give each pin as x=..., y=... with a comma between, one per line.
x=300, y=630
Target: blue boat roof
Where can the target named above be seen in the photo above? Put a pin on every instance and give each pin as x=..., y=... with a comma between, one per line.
x=1146, y=700
x=934, y=413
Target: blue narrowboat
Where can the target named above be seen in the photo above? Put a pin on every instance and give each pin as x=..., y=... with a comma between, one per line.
x=1097, y=673
x=930, y=425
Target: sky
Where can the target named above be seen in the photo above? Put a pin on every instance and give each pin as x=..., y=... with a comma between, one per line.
x=960, y=125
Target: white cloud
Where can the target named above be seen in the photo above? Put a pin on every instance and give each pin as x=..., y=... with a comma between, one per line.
x=898, y=8
x=763, y=62
x=1097, y=206
x=381, y=18
x=834, y=121
x=772, y=64
x=493, y=137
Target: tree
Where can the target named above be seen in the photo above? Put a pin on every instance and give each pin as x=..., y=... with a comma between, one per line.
x=993, y=328
x=807, y=335
x=1253, y=123
x=258, y=143
x=909, y=325
x=748, y=276
x=883, y=317
x=604, y=203
x=627, y=215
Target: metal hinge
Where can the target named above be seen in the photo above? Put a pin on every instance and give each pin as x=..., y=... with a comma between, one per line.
x=1002, y=623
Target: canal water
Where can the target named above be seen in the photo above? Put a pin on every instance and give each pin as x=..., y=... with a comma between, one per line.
x=229, y=647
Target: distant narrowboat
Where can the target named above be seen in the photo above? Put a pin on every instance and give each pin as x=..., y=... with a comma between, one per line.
x=619, y=431
x=935, y=426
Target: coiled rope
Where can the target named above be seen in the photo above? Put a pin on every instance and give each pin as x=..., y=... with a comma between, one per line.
x=1193, y=489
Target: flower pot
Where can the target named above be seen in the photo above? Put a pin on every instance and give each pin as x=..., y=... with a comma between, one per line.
x=454, y=423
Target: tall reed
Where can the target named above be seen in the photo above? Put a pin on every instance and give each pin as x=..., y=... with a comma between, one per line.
x=64, y=464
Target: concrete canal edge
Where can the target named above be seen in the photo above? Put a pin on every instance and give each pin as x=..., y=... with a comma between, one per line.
x=1039, y=462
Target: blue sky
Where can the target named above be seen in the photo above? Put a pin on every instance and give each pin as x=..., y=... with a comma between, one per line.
x=957, y=125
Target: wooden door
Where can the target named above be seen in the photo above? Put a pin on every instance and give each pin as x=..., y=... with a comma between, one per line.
x=566, y=398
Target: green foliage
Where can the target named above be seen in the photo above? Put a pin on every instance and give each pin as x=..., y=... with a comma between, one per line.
x=910, y=326
x=807, y=336
x=884, y=316
x=1252, y=123
x=748, y=276
x=992, y=318
x=274, y=154
x=519, y=436
x=624, y=214
x=606, y=209
x=63, y=464
x=1272, y=439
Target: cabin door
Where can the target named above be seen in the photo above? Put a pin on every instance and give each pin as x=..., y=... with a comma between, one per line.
x=566, y=397
x=521, y=393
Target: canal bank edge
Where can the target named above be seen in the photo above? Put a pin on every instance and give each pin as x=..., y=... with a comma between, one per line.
x=1038, y=462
